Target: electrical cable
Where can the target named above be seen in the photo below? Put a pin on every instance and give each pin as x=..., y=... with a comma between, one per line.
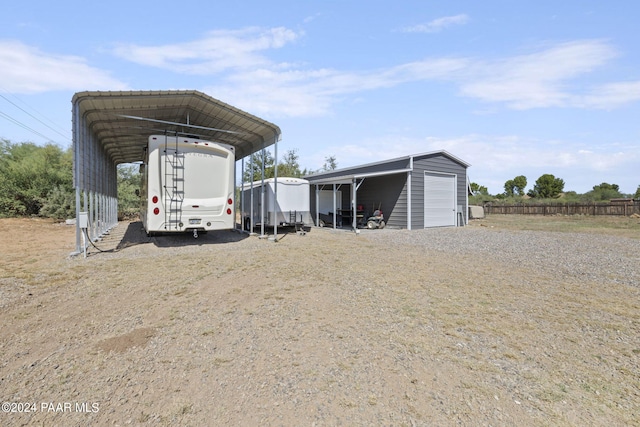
x=22, y=125
x=32, y=116
x=86, y=232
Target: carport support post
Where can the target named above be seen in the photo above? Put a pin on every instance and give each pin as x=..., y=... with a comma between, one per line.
x=334, y=206
x=409, y=197
x=275, y=194
x=262, y=194
x=241, y=195
x=353, y=204
x=317, y=205
x=251, y=211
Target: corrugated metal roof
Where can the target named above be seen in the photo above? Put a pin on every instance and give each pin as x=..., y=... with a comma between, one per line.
x=122, y=121
x=387, y=167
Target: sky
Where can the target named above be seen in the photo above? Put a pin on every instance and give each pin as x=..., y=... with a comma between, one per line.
x=510, y=87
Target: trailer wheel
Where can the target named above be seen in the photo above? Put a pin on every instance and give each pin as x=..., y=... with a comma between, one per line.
x=371, y=224
x=247, y=224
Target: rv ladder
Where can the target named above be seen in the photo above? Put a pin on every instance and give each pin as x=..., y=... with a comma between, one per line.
x=173, y=186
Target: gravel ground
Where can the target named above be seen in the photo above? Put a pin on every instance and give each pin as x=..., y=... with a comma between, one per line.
x=467, y=326
x=569, y=256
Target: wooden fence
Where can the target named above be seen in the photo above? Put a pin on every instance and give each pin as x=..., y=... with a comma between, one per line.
x=623, y=209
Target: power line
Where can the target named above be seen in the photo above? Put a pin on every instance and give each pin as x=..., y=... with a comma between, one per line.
x=22, y=125
x=66, y=138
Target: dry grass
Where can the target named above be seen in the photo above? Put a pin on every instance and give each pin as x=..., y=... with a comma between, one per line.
x=324, y=329
x=611, y=225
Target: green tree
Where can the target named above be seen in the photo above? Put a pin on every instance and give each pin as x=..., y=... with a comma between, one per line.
x=129, y=180
x=478, y=190
x=29, y=173
x=547, y=187
x=60, y=203
x=509, y=188
x=289, y=165
x=637, y=195
x=520, y=183
x=253, y=166
x=515, y=186
x=330, y=163
x=604, y=191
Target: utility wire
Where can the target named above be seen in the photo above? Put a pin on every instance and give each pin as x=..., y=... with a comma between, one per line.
x=22, y=125
x=32, y=116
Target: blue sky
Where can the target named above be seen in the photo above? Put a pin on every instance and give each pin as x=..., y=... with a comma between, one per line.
x=511, y=87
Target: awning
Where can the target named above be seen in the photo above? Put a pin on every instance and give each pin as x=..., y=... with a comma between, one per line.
x=348, y=178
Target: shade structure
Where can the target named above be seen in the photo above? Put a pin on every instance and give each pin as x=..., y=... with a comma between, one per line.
x=110, y=128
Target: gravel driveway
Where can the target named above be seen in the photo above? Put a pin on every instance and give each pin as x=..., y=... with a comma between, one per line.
x=457, y=326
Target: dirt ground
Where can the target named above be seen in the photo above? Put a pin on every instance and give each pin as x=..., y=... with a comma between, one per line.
x=329, y=329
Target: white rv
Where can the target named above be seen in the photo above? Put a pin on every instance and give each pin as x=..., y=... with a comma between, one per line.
x=291, y=208
x=187, y=185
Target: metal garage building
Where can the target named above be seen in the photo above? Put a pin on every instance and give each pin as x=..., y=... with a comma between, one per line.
x=416, y=191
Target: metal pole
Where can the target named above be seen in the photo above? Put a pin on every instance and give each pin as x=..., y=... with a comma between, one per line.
x=275, y=195
x=242, y=195
x=317, y=205
x=262, y=195
x=251, y=208
x=334, y=206
x=409, y=200
x=353, y=204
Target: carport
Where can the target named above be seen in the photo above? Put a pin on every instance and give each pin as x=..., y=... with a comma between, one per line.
x=415, y=191
x=111, y=128
x=350, y=182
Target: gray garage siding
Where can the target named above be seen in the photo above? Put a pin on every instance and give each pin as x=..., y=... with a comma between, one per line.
x=434, y=163
x=383, y=183
x=390, y=193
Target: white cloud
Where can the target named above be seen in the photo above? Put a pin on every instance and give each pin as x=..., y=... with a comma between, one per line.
x=247, y=77
x=536, y=80
x=25, y=69
x=218, y=51
x=438, y=25
x=496, y=158
x=296, y=93
x=542, y=79
x=612, y=95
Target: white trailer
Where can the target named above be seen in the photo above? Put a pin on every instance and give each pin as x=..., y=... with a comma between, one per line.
x=291, y=209
x=187, y=185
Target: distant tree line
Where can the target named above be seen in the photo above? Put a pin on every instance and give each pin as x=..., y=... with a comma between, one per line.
x=547, y=187
x=288, y=166
x=37, y=180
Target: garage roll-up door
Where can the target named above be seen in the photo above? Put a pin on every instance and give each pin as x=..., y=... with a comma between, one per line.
x=439, y=200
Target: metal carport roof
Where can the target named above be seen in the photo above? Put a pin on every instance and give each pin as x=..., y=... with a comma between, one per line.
x=110, y=128
x=122, y=121
x=348, y=174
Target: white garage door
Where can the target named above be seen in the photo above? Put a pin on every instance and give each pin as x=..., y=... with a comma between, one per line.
x=439, y=200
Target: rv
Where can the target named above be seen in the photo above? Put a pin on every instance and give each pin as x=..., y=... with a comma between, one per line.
x=291, y=208
x=187, y=185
